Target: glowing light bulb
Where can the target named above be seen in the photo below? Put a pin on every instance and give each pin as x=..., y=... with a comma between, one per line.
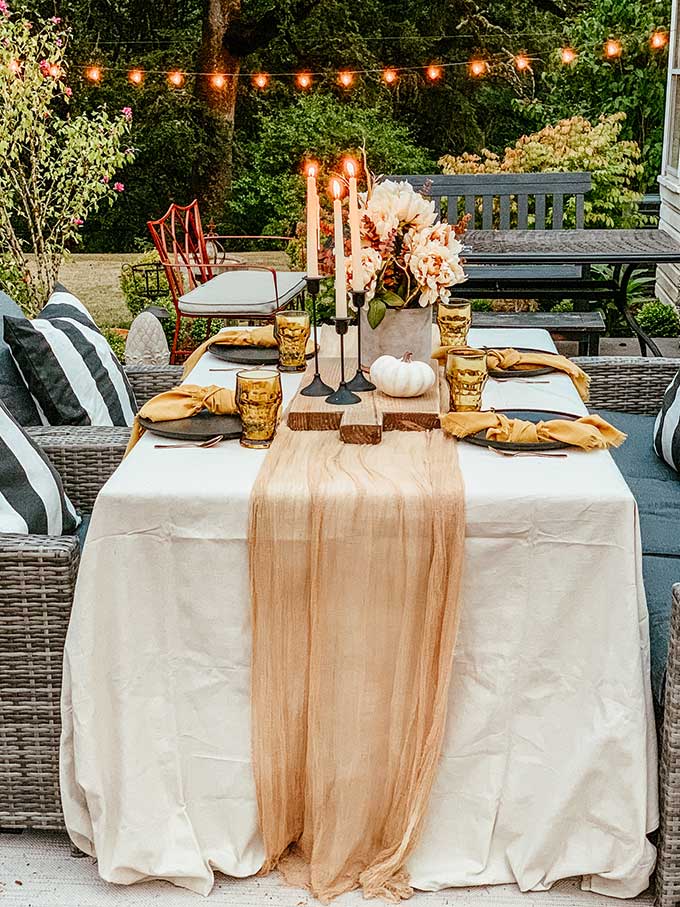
x=218, y=81
x=612, y=49
x=522, y=62
x=260, y=80
x=658, y=40
x=433, y=72
x=136, y=76
x=389, y=76
x=54, y=71
x=93, y=74
x=176, y=78
x=568, y=55
x=346, y=78
x=14, y=67
x=304, y=80
x=477, y=68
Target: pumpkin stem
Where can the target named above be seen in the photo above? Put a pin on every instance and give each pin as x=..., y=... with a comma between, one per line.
x=407, y=357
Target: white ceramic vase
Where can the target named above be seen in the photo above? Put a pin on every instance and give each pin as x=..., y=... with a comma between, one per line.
x=401, y=331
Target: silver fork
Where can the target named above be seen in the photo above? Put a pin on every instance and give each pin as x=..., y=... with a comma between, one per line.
x=525, y=453
x=212, y=442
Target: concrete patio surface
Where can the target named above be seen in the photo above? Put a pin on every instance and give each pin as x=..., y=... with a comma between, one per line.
x=37, y=870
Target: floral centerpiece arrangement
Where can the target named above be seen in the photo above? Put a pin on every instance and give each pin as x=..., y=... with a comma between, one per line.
x=409, y=258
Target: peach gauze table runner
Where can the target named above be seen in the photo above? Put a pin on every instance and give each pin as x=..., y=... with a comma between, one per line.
x=351, y=677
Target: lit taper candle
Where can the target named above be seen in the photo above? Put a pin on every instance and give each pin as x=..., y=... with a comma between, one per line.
x=312, y=223
x=340, y=272
x=358, y=277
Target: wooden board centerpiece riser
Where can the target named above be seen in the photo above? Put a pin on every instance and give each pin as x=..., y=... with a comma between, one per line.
x=362, y=423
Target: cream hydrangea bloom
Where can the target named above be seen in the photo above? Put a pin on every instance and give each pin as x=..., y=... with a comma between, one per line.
x=371, y=262
x=435, y=269
x=393, y=205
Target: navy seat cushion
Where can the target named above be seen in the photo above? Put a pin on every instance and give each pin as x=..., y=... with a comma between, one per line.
x=82, y=529
x=13, y=390
x=656, y=488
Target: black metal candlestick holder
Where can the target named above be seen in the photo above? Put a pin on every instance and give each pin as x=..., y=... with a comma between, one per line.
x=316, y=387
x=359, y=382
x=343, y=396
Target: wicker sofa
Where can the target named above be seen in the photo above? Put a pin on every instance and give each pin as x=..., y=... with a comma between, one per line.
x=40, y=575
x=37, y=581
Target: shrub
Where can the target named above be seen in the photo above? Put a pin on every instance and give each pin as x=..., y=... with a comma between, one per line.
x=482, y=305
x=564, y=305
x=569, y=145
x=659, y=319
x=269, y=193
x=116, y=340
x=56, y=168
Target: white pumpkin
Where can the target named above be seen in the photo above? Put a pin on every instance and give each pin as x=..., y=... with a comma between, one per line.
x=405, y=377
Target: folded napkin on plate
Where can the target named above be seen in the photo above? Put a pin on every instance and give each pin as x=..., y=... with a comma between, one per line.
x=182, y=403
x=262, y=336
x=589, y=432
x=510, y=359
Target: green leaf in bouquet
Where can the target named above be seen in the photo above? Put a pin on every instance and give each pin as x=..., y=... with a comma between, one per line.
x=393, y=300
x=376, y=312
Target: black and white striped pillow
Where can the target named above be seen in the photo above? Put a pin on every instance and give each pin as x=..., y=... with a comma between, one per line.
x=32, y=498
x=667, y=426
x=71, y=371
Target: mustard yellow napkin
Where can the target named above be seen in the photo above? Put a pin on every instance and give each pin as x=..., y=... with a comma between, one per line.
x=510, y=359
x=182, y=403
x=262, y=336
x=589, y=432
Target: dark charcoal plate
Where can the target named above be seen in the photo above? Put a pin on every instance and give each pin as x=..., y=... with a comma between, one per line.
x=521, y=372
x=201, y=427
x=529, y=415
x=248, y=355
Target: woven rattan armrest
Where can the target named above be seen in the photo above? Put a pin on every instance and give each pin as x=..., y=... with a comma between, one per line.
x=37, y=582
x=630, y=384
x=149, y=380
x=83, y=455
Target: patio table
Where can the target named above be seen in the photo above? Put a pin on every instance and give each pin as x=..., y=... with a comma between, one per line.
x=548, y=767
x=625, y=250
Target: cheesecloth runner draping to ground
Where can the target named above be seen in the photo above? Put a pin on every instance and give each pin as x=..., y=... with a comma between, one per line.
x=356, y=555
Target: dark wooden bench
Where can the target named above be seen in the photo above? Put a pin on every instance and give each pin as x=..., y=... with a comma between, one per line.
x=507, y=201
x=584, y=327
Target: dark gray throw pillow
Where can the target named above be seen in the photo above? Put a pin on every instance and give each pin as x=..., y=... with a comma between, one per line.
x=13, y=390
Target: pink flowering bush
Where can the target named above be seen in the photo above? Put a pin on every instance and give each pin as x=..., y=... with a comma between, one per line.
x=57, y=167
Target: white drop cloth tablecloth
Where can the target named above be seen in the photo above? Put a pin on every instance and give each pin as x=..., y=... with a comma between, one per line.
x=549, y=762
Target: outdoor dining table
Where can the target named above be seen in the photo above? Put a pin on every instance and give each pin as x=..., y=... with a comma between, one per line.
x=626, y=251
x=548, y=768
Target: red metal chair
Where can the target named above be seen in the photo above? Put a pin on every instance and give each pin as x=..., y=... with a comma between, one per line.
x=206, y=283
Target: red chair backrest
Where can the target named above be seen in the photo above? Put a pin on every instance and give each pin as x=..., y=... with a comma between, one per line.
x=180, y=243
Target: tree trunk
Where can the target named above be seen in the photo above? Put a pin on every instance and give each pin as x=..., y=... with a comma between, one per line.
x=213, y=173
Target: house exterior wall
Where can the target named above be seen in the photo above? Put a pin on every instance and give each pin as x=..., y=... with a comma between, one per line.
x=668, y=276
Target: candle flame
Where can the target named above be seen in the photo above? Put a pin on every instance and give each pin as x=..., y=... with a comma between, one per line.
x=336, y=188
x=311, y=169
x=350, y=168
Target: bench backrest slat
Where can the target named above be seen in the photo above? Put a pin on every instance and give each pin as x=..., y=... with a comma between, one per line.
x=493, y=198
